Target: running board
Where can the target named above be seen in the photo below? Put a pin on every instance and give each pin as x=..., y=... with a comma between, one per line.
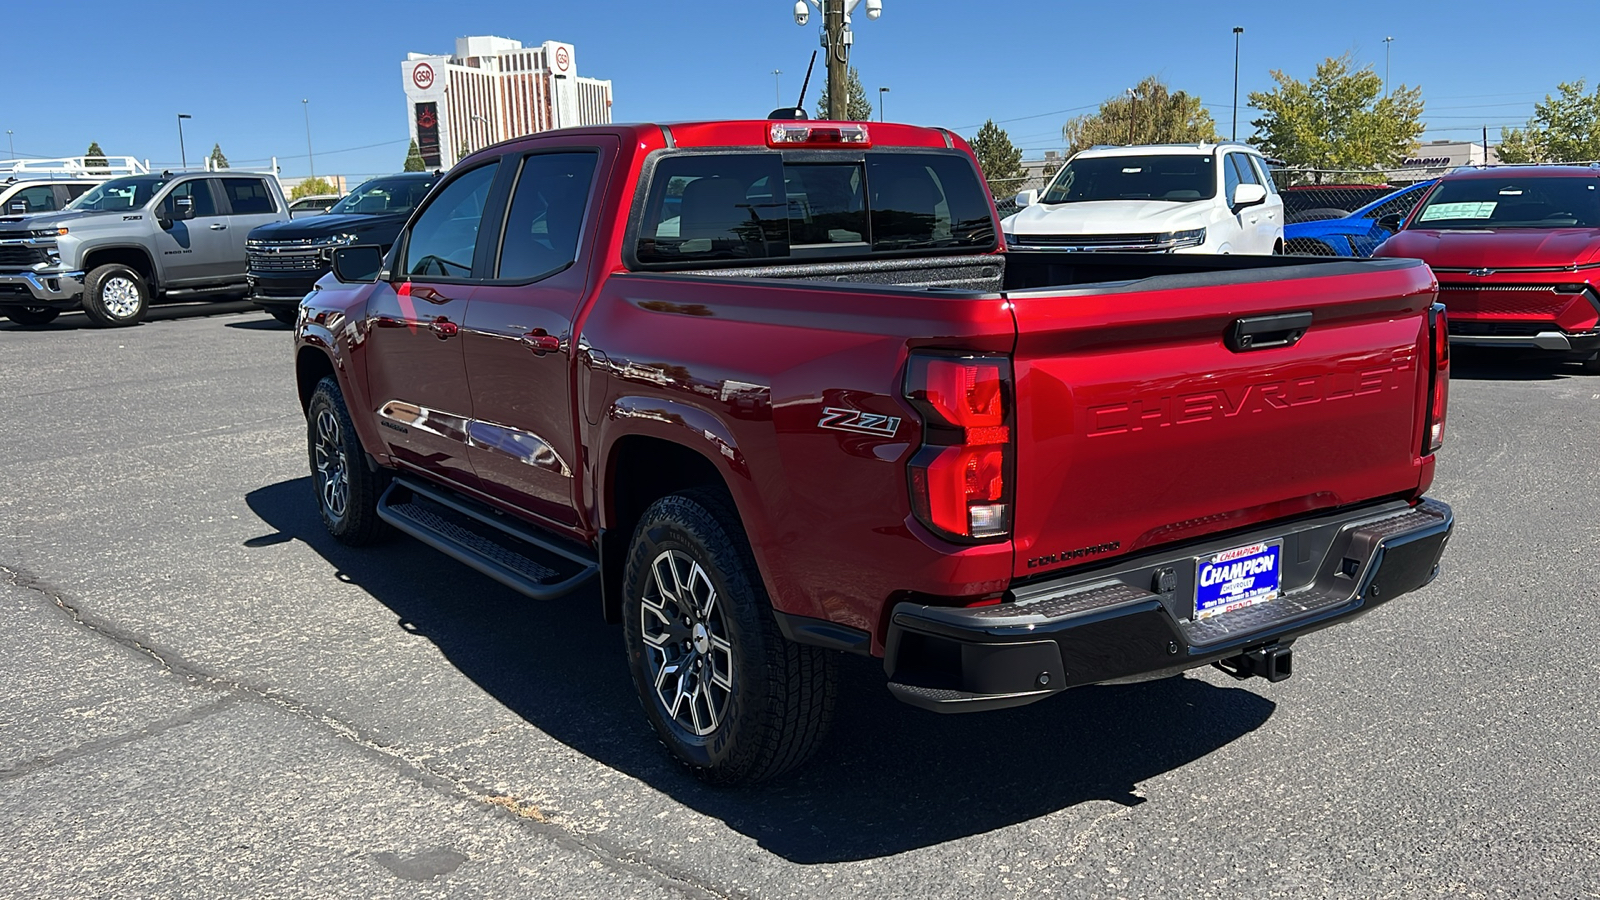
x=514, y=554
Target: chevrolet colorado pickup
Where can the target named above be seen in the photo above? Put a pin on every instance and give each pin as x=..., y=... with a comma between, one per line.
x=130, y=242
x=1517, y=252
x=780, y=388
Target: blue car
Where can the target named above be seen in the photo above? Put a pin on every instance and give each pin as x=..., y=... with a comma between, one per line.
x=1357, y=234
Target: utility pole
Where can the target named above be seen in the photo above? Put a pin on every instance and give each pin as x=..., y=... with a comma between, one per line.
x=1236, y=32
x=1388, y=43
x=1133, y=113
x=838, y=60
x=881, y=92
x=1486, y=145
x=305, y=104
x=182, y=153
x=777, y=87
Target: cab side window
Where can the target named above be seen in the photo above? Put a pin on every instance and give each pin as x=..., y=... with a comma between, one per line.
x=248, y=196
x=546, y=215
x=199, y=191
x=32, y=200
x=1230, y=176
x=445, y=238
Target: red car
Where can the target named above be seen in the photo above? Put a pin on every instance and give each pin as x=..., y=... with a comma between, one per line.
x=780, y=389
x=1517, y=252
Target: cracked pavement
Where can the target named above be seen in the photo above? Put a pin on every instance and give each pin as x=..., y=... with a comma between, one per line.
x=206, y=695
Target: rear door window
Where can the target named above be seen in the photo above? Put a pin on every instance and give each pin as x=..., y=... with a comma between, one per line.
x=728, y=207
x=546, y=214
x=248, y=196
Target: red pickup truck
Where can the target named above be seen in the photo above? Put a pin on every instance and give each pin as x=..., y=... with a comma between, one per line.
x=1517, y=252
x=782, y=390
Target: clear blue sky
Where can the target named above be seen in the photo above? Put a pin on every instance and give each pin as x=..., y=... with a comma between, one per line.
x=118, y=73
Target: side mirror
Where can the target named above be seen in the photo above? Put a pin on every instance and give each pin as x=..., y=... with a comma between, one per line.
x=19, y=207
x=1027, y=198
x=182, y=209
x=1392, y=221
x=1248, y=195
x=359, y=264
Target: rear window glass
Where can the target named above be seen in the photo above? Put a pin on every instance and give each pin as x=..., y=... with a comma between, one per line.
x=706, y=208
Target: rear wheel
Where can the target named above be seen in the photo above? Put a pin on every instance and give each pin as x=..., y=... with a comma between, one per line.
x=32, y=316
x=734, y=701
x=347, y=489
x=114, y=296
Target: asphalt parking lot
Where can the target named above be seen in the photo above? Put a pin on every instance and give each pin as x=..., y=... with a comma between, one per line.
x=206, y=696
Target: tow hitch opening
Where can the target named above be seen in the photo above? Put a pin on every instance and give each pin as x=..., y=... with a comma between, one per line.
x=1274, y=662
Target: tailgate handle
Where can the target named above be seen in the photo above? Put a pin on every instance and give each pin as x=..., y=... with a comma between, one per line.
x=1265, y=332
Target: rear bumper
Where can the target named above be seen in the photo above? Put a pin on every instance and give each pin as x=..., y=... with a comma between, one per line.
x=35, y=289
x=1134, y=620
x=1559, y=341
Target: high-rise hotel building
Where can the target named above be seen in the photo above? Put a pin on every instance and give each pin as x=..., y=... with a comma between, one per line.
x=492, y=89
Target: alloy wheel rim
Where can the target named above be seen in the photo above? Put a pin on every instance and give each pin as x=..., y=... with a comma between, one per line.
x=691, y=659
x=120, y=296
x=333, y=470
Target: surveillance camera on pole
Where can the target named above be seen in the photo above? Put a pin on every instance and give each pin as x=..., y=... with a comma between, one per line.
x=836, y=39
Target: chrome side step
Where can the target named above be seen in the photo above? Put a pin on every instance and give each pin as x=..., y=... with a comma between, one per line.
x=516, y=555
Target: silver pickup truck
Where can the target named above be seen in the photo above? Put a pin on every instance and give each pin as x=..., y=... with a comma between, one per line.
x=133, y=241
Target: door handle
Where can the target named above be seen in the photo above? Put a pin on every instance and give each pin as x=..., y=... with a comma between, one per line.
x=443, y=327
x=217, y=226
x=1266, y=332
x=542, y=341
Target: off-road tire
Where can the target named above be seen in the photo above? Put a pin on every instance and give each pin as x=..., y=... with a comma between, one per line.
x=336, y=455
x=106, y=299
x=32, y=316
x=286, y=316
x=782, y=696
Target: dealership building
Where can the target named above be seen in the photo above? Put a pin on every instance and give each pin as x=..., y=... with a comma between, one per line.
x=492, y=89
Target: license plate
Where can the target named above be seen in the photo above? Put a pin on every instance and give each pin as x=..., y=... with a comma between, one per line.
x=1234, y=579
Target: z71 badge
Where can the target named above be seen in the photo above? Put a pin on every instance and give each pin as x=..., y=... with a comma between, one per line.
x=860, y=422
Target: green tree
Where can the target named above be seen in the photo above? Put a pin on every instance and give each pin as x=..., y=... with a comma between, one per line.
x=1152, y=114
x=1563, y=129
x=859, y=107
x=1338, y=120
x=414, y=161
x=218, y=161
x=311, y=187
x=999, y=159
x=94, y=156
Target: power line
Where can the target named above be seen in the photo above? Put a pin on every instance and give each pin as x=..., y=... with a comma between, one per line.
x=1036, y=116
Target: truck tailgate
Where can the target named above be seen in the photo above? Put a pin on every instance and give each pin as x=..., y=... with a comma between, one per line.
x=1141, y=423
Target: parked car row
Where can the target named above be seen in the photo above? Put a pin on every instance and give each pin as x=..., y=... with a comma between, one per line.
x=121, y=244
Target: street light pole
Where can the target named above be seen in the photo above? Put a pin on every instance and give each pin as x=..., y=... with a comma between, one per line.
x=1388, y=42
x=1236, y=32
x=477, y=118
x=182, y=153
x=777, y=87
x=305, y=106
x=10, y=143
x=881, y=92
x=1133, y=113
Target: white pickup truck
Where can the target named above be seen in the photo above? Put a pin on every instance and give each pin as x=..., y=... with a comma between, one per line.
x=1167, y=198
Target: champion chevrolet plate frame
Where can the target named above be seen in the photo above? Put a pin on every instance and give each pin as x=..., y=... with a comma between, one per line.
x=1237, y=578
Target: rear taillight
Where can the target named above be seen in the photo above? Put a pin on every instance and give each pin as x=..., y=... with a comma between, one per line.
x=1439, y=378
x=960, y=478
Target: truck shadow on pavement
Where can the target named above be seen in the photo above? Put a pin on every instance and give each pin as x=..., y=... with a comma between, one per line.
x=161, y=312
x=889, y=779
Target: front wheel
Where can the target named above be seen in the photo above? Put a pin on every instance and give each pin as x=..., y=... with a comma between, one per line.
x=729, y=696
x=32, y=316
x=115, y=296
x=347, y=490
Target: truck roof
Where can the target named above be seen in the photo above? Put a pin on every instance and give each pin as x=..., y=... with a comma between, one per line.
x=754, y=133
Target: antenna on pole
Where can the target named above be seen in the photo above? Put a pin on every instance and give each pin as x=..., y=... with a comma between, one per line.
x=801, y=103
